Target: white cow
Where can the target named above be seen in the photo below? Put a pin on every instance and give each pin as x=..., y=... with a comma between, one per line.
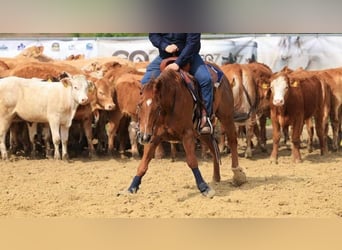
x=34, y=100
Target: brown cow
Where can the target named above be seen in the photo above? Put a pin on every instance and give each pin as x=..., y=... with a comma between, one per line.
x=246, y=98
x=36, y=52
x=126, y=81
x=3, y=66
x=295, y=98
x=126, y=97
x=330, y=103
x=336, y=103
x=261, y=74
x=43, y=70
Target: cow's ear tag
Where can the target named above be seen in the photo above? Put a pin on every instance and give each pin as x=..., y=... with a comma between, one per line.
x=65, y=83
x=49, y=80
x=294, y=84
x=264, y=86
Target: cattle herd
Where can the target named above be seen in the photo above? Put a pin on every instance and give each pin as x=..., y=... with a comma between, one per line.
x=87, y=107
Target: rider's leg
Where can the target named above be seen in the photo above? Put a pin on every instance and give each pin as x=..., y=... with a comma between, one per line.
x=200, y=71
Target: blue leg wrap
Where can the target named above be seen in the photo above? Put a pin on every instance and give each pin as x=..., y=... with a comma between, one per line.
x=202, y=186
x=133, y=188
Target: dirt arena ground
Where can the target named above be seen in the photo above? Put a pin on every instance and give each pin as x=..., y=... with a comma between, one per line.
x=86, y=188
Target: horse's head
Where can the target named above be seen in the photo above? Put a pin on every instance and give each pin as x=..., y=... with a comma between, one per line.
x=148, y=111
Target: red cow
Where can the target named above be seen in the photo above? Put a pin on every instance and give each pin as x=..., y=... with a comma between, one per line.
x=295, y=98
x=261, y=74
x=336, y=103
x=245, y=99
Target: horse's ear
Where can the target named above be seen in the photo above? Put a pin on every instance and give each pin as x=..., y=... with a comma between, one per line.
x=157, y=89
x=157, y=85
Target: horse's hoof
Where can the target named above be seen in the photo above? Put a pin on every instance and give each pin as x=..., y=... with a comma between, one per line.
x=209, y=193
x=239, y=177
x=206, y=190
x=125, y=192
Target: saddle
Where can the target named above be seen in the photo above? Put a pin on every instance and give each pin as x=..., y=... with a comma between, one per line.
x=193, y=86
x=215, y=73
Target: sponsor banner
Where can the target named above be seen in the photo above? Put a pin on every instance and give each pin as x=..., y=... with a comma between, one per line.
x=62, y=49
x=219, y=51
x=11, y=48
x=306, y=51
x=136, y=50
x=55, y=49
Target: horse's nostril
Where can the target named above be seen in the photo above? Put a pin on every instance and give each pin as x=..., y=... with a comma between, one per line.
x=146, y=137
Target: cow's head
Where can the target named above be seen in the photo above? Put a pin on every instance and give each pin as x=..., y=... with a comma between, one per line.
x=79, y=87
x=104, y=94
x=279, y=89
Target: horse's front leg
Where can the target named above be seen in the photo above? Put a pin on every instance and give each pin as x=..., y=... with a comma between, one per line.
x=191, y=160
x=149, y=150
x=210, y=142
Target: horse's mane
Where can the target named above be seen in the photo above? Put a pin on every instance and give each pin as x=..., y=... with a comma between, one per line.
x=168, y=75
x=164, y=87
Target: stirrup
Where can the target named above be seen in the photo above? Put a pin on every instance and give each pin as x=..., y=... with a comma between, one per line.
x=207, y=128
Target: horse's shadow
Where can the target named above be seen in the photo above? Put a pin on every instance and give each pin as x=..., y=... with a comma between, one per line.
x=225, y=187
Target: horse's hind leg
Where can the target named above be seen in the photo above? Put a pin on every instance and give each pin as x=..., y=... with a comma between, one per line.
x=239, y=176
x=189, y=148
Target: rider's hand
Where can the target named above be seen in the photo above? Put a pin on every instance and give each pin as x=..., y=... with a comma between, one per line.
x=173, y=66
x=171, y=48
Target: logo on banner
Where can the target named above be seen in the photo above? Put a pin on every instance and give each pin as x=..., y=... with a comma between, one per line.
x=55, y=47
x=134, y=56
x=21, y=46
x=3, y=47
x=89, y=46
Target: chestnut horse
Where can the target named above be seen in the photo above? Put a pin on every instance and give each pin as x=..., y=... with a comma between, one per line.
x=165, y=113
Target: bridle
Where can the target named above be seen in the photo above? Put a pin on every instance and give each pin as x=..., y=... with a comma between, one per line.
x=155, y=120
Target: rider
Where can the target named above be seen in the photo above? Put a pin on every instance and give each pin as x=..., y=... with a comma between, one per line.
x=186, y=47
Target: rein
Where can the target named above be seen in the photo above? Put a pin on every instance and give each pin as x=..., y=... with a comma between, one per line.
x=156, y=119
